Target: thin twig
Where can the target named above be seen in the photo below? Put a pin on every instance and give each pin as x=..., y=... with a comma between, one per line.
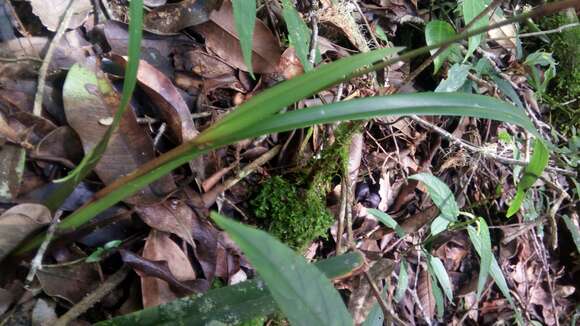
x=18, y=59
x=341, y=215
x=37, y=109
x=377, y=294
x=485, y=153
x=36, y=263
x=314, y=36
x=550, y=31
x=97, y=295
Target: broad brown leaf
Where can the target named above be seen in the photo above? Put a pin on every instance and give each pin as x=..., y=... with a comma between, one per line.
x=88, y=112
x=222, y=38
x=159, y=247
x=18, y=222
x=171, y=216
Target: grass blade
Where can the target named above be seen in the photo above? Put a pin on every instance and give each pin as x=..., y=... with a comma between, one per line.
x=302, y=292
x=245, y=20
x=68, y=184
x=298, y=33
x=269, y=102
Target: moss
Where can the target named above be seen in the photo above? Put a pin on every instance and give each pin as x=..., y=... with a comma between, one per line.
x=293, y=208
x=566, y=86
x=292, y=214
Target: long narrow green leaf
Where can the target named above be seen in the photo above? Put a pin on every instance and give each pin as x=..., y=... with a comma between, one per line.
x=387, y=220
x=231, y=304
x=497, y=275
x=440, y=194
x=438, y=296
x=298, y=33
x=302, y=292
x=451, y=104
x=68, y=184
x=437, y=268
x=532, y=172
x=482, y=240
x=245, y=20
x=456, y=104
x=271, y=101
x=403, y=282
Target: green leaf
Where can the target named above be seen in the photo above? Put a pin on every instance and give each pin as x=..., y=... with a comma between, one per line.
x=439, y=225
x=403, y=281
x=438, y=31
x=68, y=184
x=375, y=316
x=456, y=78
x=97, y=255
x=574, y=231
x=298, y=33
x=272, y=100
x=302, y=292
x=497, y=275
x=387, y=220
x=441, y=195
x=245, y=20
x=381, y=34
x=438, y=296
x=455, y=104
x=231, y=304
x=437, y=269
x=481, y=239
x=532, y=172
x=471, y=9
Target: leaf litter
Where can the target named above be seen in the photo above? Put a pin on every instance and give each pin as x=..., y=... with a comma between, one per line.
x=193, y=71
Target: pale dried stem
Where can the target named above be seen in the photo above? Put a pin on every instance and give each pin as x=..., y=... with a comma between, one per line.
x=37, y=109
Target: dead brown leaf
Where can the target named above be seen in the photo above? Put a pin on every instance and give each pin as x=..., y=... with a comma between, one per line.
x=159, y=247
x=171, y=216
x=19, y=222
x=70, y=283
x=425, y=294
x=221, y=38
x=129, y=148
x=50, y=12
x=172, y=18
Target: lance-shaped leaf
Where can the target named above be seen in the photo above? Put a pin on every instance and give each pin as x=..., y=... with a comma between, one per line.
x=438, y=31
x=245, y=19
x=481, y=240
x=302, y=292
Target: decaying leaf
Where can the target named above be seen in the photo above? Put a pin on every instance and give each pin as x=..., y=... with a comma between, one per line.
x=89, y=98
x=51, y=12
x=172, y=18
x=221, y=38
x=171, y=216
x=425, y=294
x=159, y=247
x=70, y=283
x=12, y=160
x=167, y=100
x=506, y=35
x=19, y=222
